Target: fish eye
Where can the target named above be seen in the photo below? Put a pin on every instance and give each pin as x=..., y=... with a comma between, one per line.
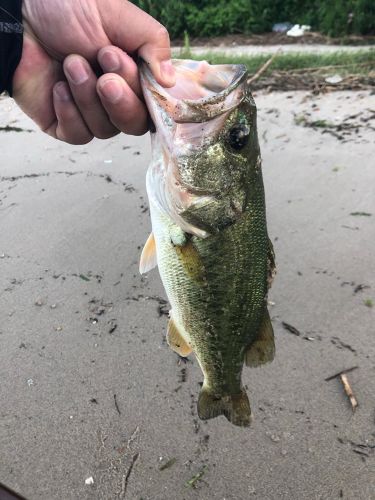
x=238, y=136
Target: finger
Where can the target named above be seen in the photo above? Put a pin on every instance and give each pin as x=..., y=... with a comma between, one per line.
x=134, y=31
x=82, y=82
x=126, y=111
x=114, y=60
x=70, y=126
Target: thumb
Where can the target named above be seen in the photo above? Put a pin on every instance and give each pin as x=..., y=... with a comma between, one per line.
x=134, y=31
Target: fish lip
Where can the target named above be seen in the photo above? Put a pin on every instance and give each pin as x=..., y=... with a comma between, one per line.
x=196, y=110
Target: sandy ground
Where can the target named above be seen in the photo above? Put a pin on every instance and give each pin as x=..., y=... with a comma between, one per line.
x=88, y=386
x=251, y=50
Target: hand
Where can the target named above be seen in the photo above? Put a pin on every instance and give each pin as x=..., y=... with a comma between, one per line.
x=61, y=91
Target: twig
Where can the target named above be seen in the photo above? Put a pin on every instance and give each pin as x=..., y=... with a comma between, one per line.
x=318, y=68
x=133, y=437
x=192, y=482
x=263, y=68
x=126, y=477
x=291, y=328
x=348, y=370
x=348, y=391
x=116, y=404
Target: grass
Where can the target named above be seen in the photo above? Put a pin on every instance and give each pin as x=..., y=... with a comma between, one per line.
x=358, y=62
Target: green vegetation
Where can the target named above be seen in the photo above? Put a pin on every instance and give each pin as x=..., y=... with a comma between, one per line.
x=353, y=62
x=368, y=303
x=221, y=17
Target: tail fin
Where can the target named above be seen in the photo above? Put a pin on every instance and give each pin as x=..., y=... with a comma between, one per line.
x=235, y=407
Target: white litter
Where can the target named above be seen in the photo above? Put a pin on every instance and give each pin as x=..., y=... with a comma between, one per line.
x=298, y=30
x=89, y=481
x=30, y=382
x=334, y=79
x=108, y=161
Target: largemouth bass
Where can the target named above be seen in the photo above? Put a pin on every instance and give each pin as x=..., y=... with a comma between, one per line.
x=209, y=233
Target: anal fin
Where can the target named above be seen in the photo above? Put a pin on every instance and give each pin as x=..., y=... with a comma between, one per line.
x=262, y=350
x=176, y=341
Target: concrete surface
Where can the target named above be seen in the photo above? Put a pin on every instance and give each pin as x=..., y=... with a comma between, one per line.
x=251, y=50
x=79, y=325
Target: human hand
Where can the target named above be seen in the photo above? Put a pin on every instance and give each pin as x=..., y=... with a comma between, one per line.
x=55, y=83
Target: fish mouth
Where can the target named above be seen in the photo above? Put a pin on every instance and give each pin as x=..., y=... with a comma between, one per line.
x=202, y=91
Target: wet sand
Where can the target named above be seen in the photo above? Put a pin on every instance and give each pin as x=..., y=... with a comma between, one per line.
x=88, y=386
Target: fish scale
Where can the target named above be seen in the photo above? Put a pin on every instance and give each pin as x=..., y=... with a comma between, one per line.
x=211, y=245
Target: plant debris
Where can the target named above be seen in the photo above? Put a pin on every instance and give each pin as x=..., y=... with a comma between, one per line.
x=342, y=345
x=290, y=328
x=126, y=477
x=263, y=68
x=116, y=404
x=347, y=387
x=168, y=464
x=360, y=287
x=9, y=128
x=194, y=480
x=347, y=370
x=348, y=391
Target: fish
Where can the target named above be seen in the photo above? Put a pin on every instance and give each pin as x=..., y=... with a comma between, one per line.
x=209, y=232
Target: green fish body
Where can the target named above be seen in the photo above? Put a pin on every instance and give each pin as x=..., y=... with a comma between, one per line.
x=210, y=238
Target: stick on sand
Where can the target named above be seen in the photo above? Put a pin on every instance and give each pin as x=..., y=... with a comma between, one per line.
x=348, y=391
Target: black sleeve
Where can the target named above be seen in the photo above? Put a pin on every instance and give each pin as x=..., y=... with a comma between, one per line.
x=11, y=40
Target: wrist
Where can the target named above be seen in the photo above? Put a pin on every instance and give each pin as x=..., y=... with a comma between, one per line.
x=11, y=41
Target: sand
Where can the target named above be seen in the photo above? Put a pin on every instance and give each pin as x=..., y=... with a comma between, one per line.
x=89, y=390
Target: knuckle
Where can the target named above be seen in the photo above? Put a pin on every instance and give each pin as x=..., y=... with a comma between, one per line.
x=163, y=35
x=78, y=140
x=106, y=134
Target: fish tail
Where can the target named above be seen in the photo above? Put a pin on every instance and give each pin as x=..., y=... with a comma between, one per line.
x=235, y=407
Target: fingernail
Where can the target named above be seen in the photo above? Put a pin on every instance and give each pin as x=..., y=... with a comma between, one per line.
x=109, y=61
x=168, y=72
x=61, y=91
x=77, y=72
x=112, y=91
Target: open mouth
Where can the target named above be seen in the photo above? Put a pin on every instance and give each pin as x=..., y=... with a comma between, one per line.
x=197, y=80
x=202, y=91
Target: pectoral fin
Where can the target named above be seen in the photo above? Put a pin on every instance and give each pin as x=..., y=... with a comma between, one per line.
x=148, y=257
x=176, y=341
x=262, y=350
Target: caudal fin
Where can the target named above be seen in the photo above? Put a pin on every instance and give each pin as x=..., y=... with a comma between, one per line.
x=235, y=407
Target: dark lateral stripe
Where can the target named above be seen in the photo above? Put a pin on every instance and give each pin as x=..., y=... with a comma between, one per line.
x=7, y=494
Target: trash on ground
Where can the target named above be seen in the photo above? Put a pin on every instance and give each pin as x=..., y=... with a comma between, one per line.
x=334, y=79
x=89, y=481
x=281, y=27
x=298, y=30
